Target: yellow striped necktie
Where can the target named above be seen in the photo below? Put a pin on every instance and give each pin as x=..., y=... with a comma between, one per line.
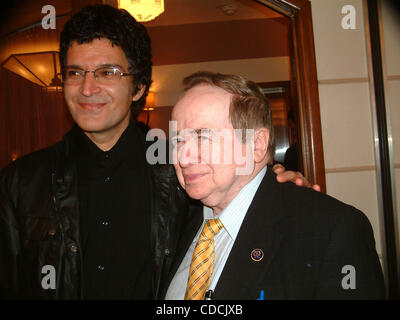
x=202, y=264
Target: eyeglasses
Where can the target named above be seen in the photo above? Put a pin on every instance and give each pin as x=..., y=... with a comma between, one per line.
x=105, y=75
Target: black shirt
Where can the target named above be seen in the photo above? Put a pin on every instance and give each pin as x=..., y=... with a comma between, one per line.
x=114, y=188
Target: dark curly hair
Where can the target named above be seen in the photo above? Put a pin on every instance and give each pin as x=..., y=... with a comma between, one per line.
x=118, y=26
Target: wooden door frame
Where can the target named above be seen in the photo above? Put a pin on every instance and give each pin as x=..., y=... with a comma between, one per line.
x=304, y=77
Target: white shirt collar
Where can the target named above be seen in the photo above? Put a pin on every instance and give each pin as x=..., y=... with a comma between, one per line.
x=232, y=216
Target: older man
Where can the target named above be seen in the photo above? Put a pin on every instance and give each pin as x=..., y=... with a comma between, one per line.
x=255, y=238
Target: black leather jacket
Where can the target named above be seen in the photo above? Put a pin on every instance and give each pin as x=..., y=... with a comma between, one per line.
x=39, y=223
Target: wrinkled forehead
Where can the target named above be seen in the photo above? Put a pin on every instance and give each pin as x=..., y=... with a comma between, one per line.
x=203, y=106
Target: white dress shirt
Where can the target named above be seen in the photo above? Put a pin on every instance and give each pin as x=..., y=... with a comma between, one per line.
x=231, y=217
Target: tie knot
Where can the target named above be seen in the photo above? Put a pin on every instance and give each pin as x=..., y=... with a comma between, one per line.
x=211, y=228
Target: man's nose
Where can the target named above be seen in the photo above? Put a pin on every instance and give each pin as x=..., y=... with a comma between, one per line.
x=89, y=85
x=188, y=154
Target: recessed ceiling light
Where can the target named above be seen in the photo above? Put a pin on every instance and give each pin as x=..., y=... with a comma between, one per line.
x=228, y=9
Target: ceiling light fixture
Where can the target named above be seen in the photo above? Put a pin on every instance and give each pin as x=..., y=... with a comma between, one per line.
x=229, y=9
x=142, y=10
x=42, y=68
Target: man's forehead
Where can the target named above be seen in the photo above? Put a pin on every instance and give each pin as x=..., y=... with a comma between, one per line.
x=96, y=53
x=205, y=91
x=203, y=100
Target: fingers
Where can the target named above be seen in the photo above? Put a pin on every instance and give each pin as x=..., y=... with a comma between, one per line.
x=299, y=182
x=317, y=187
x=293, y=176
x=290, y=176
x=278, y=168
x=302, y=181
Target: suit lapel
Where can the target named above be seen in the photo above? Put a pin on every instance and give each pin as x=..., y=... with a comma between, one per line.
x=241, y=273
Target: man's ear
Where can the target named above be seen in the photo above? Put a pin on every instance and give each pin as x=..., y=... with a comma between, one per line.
x=140, y=90
x=261, y=139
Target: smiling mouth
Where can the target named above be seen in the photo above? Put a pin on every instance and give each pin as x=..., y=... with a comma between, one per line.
x=193, y=178
x=91, y=106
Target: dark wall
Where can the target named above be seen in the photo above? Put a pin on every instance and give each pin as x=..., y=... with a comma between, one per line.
x=30, y=118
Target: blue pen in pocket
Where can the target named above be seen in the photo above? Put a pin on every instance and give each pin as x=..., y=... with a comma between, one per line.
x=261, y=295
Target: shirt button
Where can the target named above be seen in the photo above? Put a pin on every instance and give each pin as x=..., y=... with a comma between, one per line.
x=105, y=223
x=100, y=267
x=107, y=156
x=107, y=179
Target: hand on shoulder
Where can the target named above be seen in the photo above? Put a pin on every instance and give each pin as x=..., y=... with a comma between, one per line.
x=296, y=177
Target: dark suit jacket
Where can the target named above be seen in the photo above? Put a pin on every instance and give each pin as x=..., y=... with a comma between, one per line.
x=307, y=238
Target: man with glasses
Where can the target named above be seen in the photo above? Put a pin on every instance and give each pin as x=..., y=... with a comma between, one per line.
x=85, y=206
x=89, y=218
